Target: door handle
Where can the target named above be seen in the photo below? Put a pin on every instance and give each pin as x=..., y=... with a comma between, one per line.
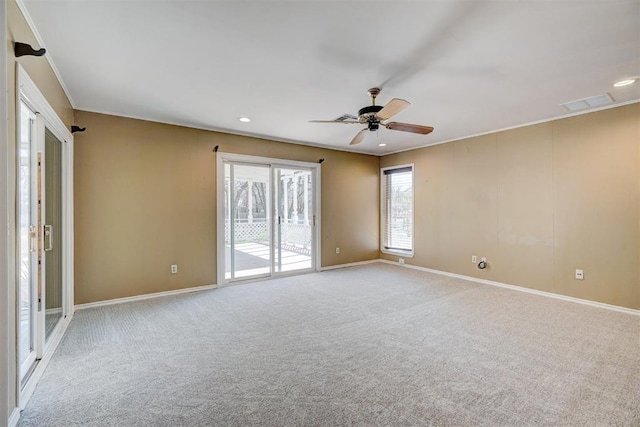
x=33, y=237
x=48, y=238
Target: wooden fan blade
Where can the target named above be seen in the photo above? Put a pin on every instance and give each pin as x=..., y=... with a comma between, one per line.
x=348, y=122
x=359, y=137
x=392, y=108
x=408, y=127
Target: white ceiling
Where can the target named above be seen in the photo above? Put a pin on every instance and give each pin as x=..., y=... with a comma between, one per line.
x=467, y=67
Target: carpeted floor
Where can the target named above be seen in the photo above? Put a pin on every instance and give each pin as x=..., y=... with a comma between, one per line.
x=370, y=345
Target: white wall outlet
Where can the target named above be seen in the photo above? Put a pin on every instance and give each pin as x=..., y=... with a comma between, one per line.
x=337, y=250
x=579, y=274
x=401, y=260
x=474, y=259
x=174, y=268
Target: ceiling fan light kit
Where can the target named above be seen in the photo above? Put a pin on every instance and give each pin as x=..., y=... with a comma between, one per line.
x=374, y=116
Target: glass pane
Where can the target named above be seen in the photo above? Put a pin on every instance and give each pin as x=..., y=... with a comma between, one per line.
x=53, y=232
x=247, y=231
x=294, y=236
x=227, y=221
x=398, y=214
x=25, y=229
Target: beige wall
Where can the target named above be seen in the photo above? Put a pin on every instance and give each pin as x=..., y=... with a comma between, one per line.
x=538, y=202
x=145, y=199
x=44, y=77
x=38, y=68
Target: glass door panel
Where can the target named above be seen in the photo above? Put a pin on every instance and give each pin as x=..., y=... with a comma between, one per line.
x=27, y=255
x=246, y=221
x=52, y=233
x=293, y=220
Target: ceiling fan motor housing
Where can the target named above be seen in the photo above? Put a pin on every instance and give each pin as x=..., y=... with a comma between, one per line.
x=369, y=110
x=368, y=115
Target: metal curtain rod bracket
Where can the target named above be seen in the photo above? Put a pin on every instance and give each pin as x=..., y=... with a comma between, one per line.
x=22, y=49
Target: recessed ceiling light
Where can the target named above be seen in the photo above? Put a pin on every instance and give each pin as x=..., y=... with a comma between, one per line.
x=244, y=119
x=382, y=145
x=625, y=82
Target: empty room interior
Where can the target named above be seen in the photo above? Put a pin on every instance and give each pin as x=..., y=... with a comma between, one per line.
x=320, y=213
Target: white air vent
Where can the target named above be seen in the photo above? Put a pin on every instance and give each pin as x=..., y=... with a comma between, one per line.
x=575, y=105
x=599, y=100
x=586, y=103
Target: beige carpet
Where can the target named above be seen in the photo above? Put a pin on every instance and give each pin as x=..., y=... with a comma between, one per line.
x=371, y=345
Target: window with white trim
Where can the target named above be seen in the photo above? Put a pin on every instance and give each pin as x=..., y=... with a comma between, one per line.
x=397, y=210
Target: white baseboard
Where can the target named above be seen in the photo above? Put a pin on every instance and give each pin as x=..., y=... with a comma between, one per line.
x=198, y=288
x=351, y=264
x=520, y=288
x=354, y=264
x=14, y=417
x=144, y=296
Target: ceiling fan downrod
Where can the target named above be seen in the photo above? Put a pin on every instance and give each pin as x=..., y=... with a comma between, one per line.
x=373, y=93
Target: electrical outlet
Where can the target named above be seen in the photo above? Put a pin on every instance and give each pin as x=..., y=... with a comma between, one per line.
x=579, y=274
x=337, y=250
x=474, y=259
x=174, y=268
x=401, y=260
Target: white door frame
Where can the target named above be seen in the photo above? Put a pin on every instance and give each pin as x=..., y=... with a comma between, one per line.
x=272, y=163
x=7, y=326
x=27, y=91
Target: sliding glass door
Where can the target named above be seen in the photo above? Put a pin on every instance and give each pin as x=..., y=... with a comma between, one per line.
x=268, y=217
x=44, y=232
x=40, y=195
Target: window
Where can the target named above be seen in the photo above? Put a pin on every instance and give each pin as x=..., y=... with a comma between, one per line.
x=397, y=210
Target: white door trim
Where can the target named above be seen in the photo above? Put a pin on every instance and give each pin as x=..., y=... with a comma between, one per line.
x=222, y=157
x=7, y=325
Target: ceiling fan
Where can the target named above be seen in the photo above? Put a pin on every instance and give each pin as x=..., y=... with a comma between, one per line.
x=374, y=116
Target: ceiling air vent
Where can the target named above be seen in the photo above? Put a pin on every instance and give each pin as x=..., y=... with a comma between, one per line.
x=599, y=100
x=586, y=103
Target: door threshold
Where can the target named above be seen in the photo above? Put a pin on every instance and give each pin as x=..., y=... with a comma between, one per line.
x=265, y=278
